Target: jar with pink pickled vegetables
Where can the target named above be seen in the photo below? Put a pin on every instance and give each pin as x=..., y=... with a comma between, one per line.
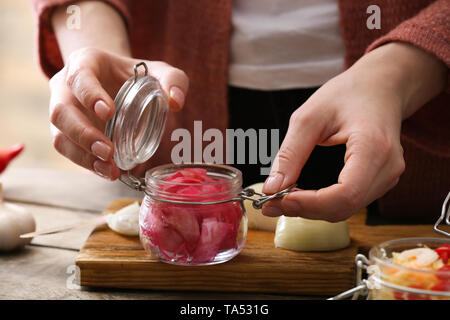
x=193, y=214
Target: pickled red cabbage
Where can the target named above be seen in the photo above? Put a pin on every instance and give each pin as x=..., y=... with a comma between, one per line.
x=192, y=233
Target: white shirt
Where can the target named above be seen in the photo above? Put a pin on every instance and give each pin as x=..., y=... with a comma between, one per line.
x=284, y=44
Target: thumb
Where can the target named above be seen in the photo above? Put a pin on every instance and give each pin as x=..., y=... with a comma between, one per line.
x=304, y=132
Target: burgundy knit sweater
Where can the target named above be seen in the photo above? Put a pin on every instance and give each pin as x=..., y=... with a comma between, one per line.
x=194, y=36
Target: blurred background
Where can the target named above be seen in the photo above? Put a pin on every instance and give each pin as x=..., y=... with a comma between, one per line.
x=24, y=92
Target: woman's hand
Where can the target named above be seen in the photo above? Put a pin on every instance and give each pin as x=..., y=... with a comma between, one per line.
x=362, y=108
x=81, y=103
x=95, y=68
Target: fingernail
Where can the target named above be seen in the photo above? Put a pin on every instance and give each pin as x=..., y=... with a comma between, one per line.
x=101, y=150
x=178, y=96
x=103, y=169
x=272, y=211
x=102, y=110
x=273, y=183
x=291, y=206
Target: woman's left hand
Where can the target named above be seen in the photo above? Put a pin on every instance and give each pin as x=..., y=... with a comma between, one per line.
x=362, y=108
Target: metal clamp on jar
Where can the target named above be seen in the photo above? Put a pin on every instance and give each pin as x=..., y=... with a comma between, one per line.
x=182, y=222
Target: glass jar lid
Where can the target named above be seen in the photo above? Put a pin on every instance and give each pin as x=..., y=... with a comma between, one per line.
x=138, y=124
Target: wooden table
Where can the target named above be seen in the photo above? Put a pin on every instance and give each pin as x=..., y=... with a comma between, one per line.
x=45, y=268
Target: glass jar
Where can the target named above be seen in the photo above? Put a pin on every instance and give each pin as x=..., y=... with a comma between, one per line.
x=396, y=282
x=390, y=281
x=198, y=219
x=138, y=123
x=183, y=222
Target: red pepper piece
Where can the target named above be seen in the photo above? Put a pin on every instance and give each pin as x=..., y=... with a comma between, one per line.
x=193, y=232
x=441, y=286
x=415, y=296
x=398, y=295
x=8, y=154
x=443, y=252
x=444, y=277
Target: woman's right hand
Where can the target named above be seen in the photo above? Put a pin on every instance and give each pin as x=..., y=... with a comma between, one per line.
x=81, y=103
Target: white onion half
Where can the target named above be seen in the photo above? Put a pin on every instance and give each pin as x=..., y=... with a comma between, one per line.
x=299, y=234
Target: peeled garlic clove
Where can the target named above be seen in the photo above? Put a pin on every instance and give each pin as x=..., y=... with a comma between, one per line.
x=126, y=220
x=256, y=220
x=299, y=234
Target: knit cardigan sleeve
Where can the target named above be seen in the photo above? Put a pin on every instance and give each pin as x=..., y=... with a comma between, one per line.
x=428, y=30
x=48, y=53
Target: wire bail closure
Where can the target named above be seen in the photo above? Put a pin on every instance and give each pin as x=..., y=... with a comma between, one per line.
x=445, y=215
x=245, y=194
x=248, y=193
x=131, y=181
x=136, y=72
x=362, y=285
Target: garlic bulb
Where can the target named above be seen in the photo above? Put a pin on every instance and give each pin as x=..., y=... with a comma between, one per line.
x=126, y=220
x=256, y=220
x=14, y=221
x=299, y=234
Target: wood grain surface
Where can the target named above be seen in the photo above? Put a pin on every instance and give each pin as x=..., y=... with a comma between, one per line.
x=112, y=260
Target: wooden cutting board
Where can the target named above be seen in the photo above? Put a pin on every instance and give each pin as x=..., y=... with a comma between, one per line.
x=109, y=259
